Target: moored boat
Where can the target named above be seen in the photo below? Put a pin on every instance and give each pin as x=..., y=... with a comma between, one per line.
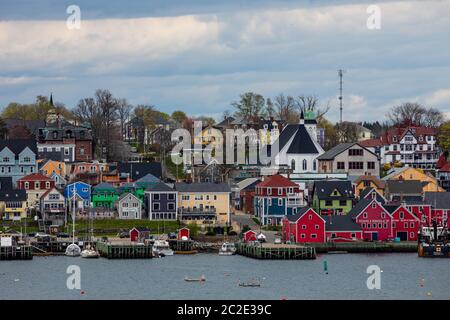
x=434, y=241
x=201, y=279
x=161, y=248
x=227, y=249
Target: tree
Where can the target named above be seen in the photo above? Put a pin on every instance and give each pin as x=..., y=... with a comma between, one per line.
x=250, y=107
x=412, y=113
x=19, y=132
x=285, y=108
x=443, y=138
x=311, y=103
x=179, y=116
x=330, y=133
x=124, y=111
x=270, y=110
x=347, y=131
x=3, y=129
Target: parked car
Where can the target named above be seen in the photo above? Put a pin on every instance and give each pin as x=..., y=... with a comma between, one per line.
x=172, y=235
x=63, y=235
x=124, y=234
x=277, y=241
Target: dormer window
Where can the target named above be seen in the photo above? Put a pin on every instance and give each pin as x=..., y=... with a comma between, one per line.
x=55, y=134
x=69, y=134
x=420, y=138
x=394, y=138
x=5, y=159
x=27, y=159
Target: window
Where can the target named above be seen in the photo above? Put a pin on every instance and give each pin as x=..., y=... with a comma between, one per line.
x=66, y=151
x=364, y=225
x=401, y=215
x=365, y=214
x=155, y=206
x=371, y=165
x=353, y=235
x=280, y=201
x=314, y=236
x=215, y=197
x=26, y=159
x=185, y=197
x=355, y=152
x=411, y=225
x=269, y=190
x=171, y=196
x=27, y=185
x=304, y=165
x=405, y=225
x=342, y=203
x=36, y=185
x=303, y=236
x=328, y=203
x=341, y=165
x=356, y=165
x=411, y=234
x=304, y=226
x=374, y=204
x=383, y=215
x=47, y=185
x=171, y=206
x=333, y=235
x=156, y=196
x=310, y=217
x=280, y=191
x=317, y=227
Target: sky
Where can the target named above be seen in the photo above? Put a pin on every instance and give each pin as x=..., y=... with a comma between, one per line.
x=199, y=56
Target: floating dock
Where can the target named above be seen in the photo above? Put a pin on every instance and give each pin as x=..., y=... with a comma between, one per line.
x=124, y=250
x=182, y=246
x=16, y=253
x=270, y=251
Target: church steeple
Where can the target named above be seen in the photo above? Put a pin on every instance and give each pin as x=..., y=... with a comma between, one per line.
x=51, y=99
x=302, y=118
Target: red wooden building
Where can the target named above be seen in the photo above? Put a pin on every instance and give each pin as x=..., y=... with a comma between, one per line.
x=439, y=203
x=305, y=226
x=342, y=228
x=247, y=195
x=249, y=235
x=405, y=225
x=375, y=221
x=183, y=234
x=35, y=181
x=139, y=234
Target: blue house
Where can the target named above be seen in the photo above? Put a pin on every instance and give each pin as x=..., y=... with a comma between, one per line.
x=82, y=193
x=161, y=202
x=18, y=158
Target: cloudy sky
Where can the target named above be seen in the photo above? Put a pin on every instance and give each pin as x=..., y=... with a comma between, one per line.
x=198, y=56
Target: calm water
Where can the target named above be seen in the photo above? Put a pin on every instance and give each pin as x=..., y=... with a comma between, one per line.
x=45, y=278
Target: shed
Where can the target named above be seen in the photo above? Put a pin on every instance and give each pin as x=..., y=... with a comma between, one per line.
x=249, y=235
x=183, y=234
x=139, y=234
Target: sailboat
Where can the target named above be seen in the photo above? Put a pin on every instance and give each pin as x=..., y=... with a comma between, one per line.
x=73, y=250
x=89, y=251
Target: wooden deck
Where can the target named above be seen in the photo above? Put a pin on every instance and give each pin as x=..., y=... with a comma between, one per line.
x=124, y=250
x=16, y=253
x=271, y=251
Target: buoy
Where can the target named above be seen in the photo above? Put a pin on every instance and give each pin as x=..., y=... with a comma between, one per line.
x=325, y=266
x=82, y=292
x=429, y=294
x=15, y=280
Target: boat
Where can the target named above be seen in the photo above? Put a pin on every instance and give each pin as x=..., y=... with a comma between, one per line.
x=90, y=252
x=227, y=249
x=252, y=283
x=161, y=248
x=434, y=241
x=73, y=250
x=201, y=279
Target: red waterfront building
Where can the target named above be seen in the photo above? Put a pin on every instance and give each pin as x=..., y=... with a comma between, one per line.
x=249, y=235
x=342, y=228
x=405, y=225
x=305, y=226
x=375, y=221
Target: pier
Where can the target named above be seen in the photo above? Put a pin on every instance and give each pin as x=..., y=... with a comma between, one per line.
x=269, y=251
x=182, y=246
x=124, y=250
x=16, y=253
x=364, y=247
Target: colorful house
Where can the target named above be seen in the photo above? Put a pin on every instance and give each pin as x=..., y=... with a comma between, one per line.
x=50, y=167
x=129, y=206
x=305, y=226
x=342, y=229
x=18, y=158
x=429, y=183
x=247, y=195
x=104, y=195
x=249, y=236
x=439, y=206
x=405, y=225
x=139, y=234
x=82, y=199
x=276, y=197
x=372, y=193
x=162, y=202
x=53, y=206
x=13, y=202
x=89, y=172
x=35, y=185
x=204, y=202
x=335, y=196
x=368, y=181
x=183, y=233
x=374, y=219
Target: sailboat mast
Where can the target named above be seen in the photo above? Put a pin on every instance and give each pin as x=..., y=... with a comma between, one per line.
x=73, y=214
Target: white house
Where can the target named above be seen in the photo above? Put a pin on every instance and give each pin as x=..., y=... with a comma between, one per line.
x=129, y=206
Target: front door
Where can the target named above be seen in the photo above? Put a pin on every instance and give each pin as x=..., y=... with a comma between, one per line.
x=402, y=235
x=374, y=236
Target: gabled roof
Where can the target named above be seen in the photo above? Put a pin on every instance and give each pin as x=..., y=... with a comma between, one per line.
x=50, y=190
x=159, y=187
x=341, y=223
x=148, y=178
x=405, y=187
x=137, y=170
x=126, y=194
x=302, y=142
x=104, y=185
x=252, y=186
x=394, y=172
x=439, y=200
x=366, y=194
x=301, y=212
x=246, y=182
x=359, y=207
x=203, y=187
x=379, y=183
x=323, y=189
x=35, y=177
x=333, y=152
x=276, y=181
x=17, y=145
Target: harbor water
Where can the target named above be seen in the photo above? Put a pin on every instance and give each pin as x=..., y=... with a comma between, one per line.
x=403, y=276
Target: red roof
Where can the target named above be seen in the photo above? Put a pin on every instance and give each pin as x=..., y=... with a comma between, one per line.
x=446, y=167
x=371, y=143
x=276, y=181
x=35, y=177
x=441, y=162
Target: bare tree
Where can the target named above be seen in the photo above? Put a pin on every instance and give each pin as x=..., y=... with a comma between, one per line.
x=311, y=103
x=433, y=118
x=285, y=108
x=124, y=110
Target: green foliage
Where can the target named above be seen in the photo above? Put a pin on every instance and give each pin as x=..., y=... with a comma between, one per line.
x=193, y=229
x=444, y=136
x=176, y=171
x=179, y=116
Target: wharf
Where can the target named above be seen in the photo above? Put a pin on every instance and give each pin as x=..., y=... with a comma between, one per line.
x=24, y=252
x=270, y=251
x=124, y=250
x=182, y=246
x=364, y=247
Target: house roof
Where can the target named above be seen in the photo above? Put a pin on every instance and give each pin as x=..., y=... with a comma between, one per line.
x=76, y=132
x=405, y=187
x=202, y=187
x=137, y=170
x=302, y=142
x=50, y=190
x=333, y=152
x=341, y=223
x=142, y=229
x=359, y=207
x=277, y=181
x=299, y=214
x=367, y=191
x=394, y=172
x=379, y=183
x=252, y=186
x=148, y=178
x=323, y=189
x=246, y=182
x=6, y=184
x=408, y=199
x=13, y=195
x=126, y=194
x=35, y=177
x=440, y=200
x=17, y=145
x=104, y=185
x=51, y=155
x=158, y=187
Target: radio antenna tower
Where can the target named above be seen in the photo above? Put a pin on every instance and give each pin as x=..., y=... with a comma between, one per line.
x=341, y=74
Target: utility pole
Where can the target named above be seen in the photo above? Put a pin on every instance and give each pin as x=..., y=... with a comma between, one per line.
x=341, y=74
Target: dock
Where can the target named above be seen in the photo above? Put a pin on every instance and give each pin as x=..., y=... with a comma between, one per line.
x=364, y=247
x=24, y=252
x=124, y=250
x=182, y=246
x=269, y=251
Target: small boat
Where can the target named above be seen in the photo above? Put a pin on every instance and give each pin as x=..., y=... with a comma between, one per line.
x=227, y=249
x=201, y=279
x=73, y=250
x=90, y=253
x=161, y=248
x=253, y=283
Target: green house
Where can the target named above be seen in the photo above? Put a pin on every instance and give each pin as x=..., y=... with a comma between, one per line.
x=139, y=186
x=333, y=195
x=104, y=195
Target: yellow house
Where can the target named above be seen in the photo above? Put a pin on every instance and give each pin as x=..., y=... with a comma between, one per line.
x=209, y=135
x=204, y=203
x=13, y=205
x=408, y=173
x=368, y=181
x=52, y=166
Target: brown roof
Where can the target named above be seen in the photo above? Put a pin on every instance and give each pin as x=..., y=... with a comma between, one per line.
x=379, y=183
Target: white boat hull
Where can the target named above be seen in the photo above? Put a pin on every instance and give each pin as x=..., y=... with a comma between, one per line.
x=73, y=250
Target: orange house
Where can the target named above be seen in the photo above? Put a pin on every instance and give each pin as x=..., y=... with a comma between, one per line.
x=52, y=166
